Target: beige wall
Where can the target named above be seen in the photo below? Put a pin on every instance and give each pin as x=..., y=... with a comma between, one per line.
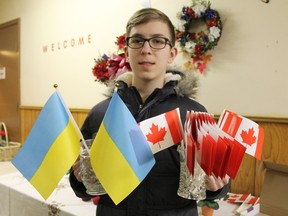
x=246, y=75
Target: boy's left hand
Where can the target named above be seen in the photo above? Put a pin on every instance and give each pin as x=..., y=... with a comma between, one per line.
x=214, y=183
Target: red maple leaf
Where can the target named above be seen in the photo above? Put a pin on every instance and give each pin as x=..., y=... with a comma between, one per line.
x=157, y=135
x=248, y=137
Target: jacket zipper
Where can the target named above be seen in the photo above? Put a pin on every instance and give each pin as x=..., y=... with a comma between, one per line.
x=140, y=108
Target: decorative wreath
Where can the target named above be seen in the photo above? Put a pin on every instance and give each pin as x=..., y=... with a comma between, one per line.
x=196, y=44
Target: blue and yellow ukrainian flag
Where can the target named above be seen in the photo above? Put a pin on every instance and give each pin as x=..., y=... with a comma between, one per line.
x=120, y=154
x=51, y=147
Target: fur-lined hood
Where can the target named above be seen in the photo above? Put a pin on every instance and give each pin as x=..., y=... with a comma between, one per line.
x=187, y=84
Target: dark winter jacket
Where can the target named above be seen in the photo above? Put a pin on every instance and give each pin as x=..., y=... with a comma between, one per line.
x=157, y=193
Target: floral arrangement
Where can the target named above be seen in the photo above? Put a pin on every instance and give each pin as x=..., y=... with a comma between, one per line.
x=196, y=44
x=2, y=133
x=2, y=136
x=108, y=67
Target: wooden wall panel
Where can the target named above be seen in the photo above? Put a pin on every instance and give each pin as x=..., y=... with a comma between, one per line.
x=30, y=114
x=244, y=181
x=275, y=148
x=276, y=142
x=248, y=180
x=27, y=120
x=79, y=116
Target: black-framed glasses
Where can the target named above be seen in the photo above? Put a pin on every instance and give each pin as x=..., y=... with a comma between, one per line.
x=154, y=42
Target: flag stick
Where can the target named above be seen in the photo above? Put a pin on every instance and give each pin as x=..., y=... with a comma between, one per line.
x=116, y=85
x=82, y=140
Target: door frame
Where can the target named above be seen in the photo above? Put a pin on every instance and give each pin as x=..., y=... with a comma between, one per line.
x=10, y=87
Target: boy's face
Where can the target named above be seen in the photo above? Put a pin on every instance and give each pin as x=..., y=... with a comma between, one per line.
x=148, y=63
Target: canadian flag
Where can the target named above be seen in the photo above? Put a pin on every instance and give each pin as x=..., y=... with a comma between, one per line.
x=189, y=143
x=163, y=131
x=237, y=198
x=244, y=130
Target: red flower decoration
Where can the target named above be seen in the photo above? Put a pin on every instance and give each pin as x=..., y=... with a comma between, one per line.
x=107, y=68
x=100, y=70
x=121, y=41
x=2, y=133
x=117, y=65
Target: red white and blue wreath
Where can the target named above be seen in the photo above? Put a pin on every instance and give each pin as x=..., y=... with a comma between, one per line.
x=195, y=44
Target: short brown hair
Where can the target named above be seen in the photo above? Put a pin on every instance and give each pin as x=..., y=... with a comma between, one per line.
x=147, y=14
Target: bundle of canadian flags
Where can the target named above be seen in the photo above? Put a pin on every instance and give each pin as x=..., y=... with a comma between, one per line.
x=218, y=147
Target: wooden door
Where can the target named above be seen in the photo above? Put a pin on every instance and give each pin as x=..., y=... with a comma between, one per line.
x=10, y=85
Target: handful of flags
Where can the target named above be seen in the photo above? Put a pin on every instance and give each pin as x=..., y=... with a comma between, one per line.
x=219, y=149
x=122, y=152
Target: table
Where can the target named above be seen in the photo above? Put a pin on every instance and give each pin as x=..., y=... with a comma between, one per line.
x=20, y=198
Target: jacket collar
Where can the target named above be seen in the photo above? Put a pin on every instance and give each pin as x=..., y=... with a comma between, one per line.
x=185, y=83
